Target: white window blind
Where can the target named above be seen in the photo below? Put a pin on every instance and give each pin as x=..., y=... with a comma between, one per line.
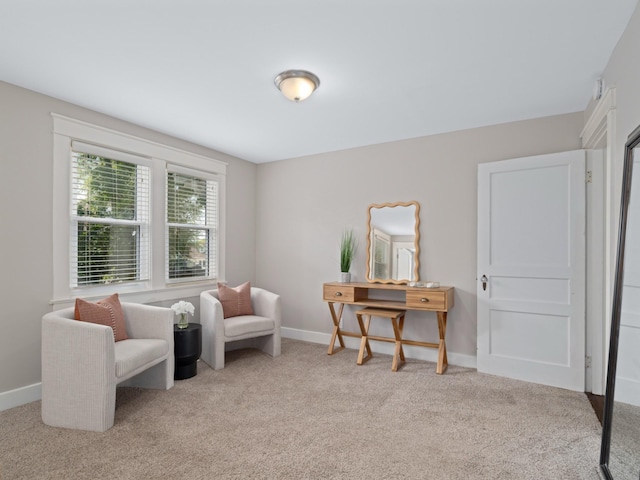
x=110, y=193
x=191, y=225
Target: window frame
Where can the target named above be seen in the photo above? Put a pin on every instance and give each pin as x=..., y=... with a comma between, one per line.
x=142, y=220
x=67, y=130
x=212, y=229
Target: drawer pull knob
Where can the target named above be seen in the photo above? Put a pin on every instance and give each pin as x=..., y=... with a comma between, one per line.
x=338, y=294
x=424, y=300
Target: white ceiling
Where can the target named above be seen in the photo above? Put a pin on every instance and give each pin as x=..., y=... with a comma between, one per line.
x=203, y=70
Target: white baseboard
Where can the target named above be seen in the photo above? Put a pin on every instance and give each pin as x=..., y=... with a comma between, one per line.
x=410, y=351
x=627, y=391
x=20, y=396
x=32, y=393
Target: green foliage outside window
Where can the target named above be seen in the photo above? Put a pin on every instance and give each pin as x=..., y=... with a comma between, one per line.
x=186, y=211
x=109, y=228
x=106, y=189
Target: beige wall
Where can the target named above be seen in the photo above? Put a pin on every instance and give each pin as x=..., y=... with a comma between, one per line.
x=623, y=73
x=304, y=204
x=26, y=218
x=289, y=242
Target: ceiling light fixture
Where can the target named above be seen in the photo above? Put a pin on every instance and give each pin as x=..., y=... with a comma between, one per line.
x=296, y=85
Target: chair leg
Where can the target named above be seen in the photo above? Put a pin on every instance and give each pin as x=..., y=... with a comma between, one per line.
x=94, y=410
x=270, y=344
x=218, y=356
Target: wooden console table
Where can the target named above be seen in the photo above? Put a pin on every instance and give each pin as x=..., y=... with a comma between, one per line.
x=439, y=300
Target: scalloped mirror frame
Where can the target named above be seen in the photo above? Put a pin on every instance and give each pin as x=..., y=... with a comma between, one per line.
x=416, y=268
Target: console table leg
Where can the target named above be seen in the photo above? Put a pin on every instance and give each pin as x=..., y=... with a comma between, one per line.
x=442, y=348
x=336, y=329
x=398, y=353
x=364, y=342
x=401, y=328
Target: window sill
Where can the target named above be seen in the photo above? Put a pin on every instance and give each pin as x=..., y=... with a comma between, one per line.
x=169, y=293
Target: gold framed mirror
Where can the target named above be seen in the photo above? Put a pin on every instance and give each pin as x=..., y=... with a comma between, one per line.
x=393, y=242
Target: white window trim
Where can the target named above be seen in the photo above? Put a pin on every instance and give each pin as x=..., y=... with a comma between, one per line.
x=65, y=131
x=215, y=229
x=142, y=218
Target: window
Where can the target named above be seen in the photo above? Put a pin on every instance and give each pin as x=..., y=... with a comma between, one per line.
x=133, y=216
x=109, y=219
x=191, y=225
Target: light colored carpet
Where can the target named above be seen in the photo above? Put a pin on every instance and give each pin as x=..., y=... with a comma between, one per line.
x=307, y=415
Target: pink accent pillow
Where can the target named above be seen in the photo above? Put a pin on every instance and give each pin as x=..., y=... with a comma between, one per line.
x=104, y=312
x=235, y=301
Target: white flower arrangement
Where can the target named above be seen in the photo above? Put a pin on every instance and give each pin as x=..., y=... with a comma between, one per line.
x=182, y=308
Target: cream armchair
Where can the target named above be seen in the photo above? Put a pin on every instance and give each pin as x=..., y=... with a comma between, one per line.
x=82, y=364
x=261, y=330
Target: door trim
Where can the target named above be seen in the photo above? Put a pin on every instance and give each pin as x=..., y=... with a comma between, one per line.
x=599, y=133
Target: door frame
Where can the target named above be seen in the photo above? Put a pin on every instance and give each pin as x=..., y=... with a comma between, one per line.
x=599, y=134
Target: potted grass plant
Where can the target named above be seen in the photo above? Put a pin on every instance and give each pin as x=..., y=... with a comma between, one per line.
x=348, y=246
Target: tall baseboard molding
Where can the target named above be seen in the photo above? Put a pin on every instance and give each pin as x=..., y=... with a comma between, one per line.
x=417, y=353
x=20, y=396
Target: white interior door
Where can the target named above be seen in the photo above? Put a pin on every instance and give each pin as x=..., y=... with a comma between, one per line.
x=531, y=252
x=403, y=260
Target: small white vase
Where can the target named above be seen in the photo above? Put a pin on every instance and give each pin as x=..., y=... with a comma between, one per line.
x=345, y=277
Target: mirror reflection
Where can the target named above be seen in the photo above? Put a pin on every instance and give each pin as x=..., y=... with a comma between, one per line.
x=620, y=453
x=624, y=459
x=393, y=242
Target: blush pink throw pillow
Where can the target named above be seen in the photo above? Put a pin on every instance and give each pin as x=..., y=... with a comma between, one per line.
x=104, y=312
x=235, y=301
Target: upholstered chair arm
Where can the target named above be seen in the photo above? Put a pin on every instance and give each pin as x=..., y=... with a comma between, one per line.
x=148, y=321
x=211, y=313
x=266, y=304
x=212, y=321
x=76, y=357
x=70, y=346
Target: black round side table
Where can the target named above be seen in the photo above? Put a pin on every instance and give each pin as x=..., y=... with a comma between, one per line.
x=187, y=350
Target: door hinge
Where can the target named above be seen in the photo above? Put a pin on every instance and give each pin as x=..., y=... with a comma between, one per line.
x=589, y=177
x=587, y=361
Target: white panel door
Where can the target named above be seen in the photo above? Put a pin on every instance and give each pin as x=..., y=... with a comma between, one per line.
x=531, y=256
x=403, y=260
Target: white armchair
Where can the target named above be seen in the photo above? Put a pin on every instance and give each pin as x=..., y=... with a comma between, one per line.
x=82, y=364
x=260, y=330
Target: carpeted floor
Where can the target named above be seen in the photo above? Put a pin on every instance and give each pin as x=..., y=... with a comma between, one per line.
x=307, y=415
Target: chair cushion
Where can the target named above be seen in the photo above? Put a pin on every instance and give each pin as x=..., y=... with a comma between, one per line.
x=242, y=325
x=104, y=312
x=235, y=301
x=134, y=353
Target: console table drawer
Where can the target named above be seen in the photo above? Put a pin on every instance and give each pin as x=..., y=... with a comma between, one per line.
x=340, y=293
x=425, y=299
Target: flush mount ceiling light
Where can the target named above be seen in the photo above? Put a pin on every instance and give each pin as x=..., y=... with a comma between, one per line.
x=297, y=85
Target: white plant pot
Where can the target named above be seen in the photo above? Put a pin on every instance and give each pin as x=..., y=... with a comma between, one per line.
x=345, y=277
